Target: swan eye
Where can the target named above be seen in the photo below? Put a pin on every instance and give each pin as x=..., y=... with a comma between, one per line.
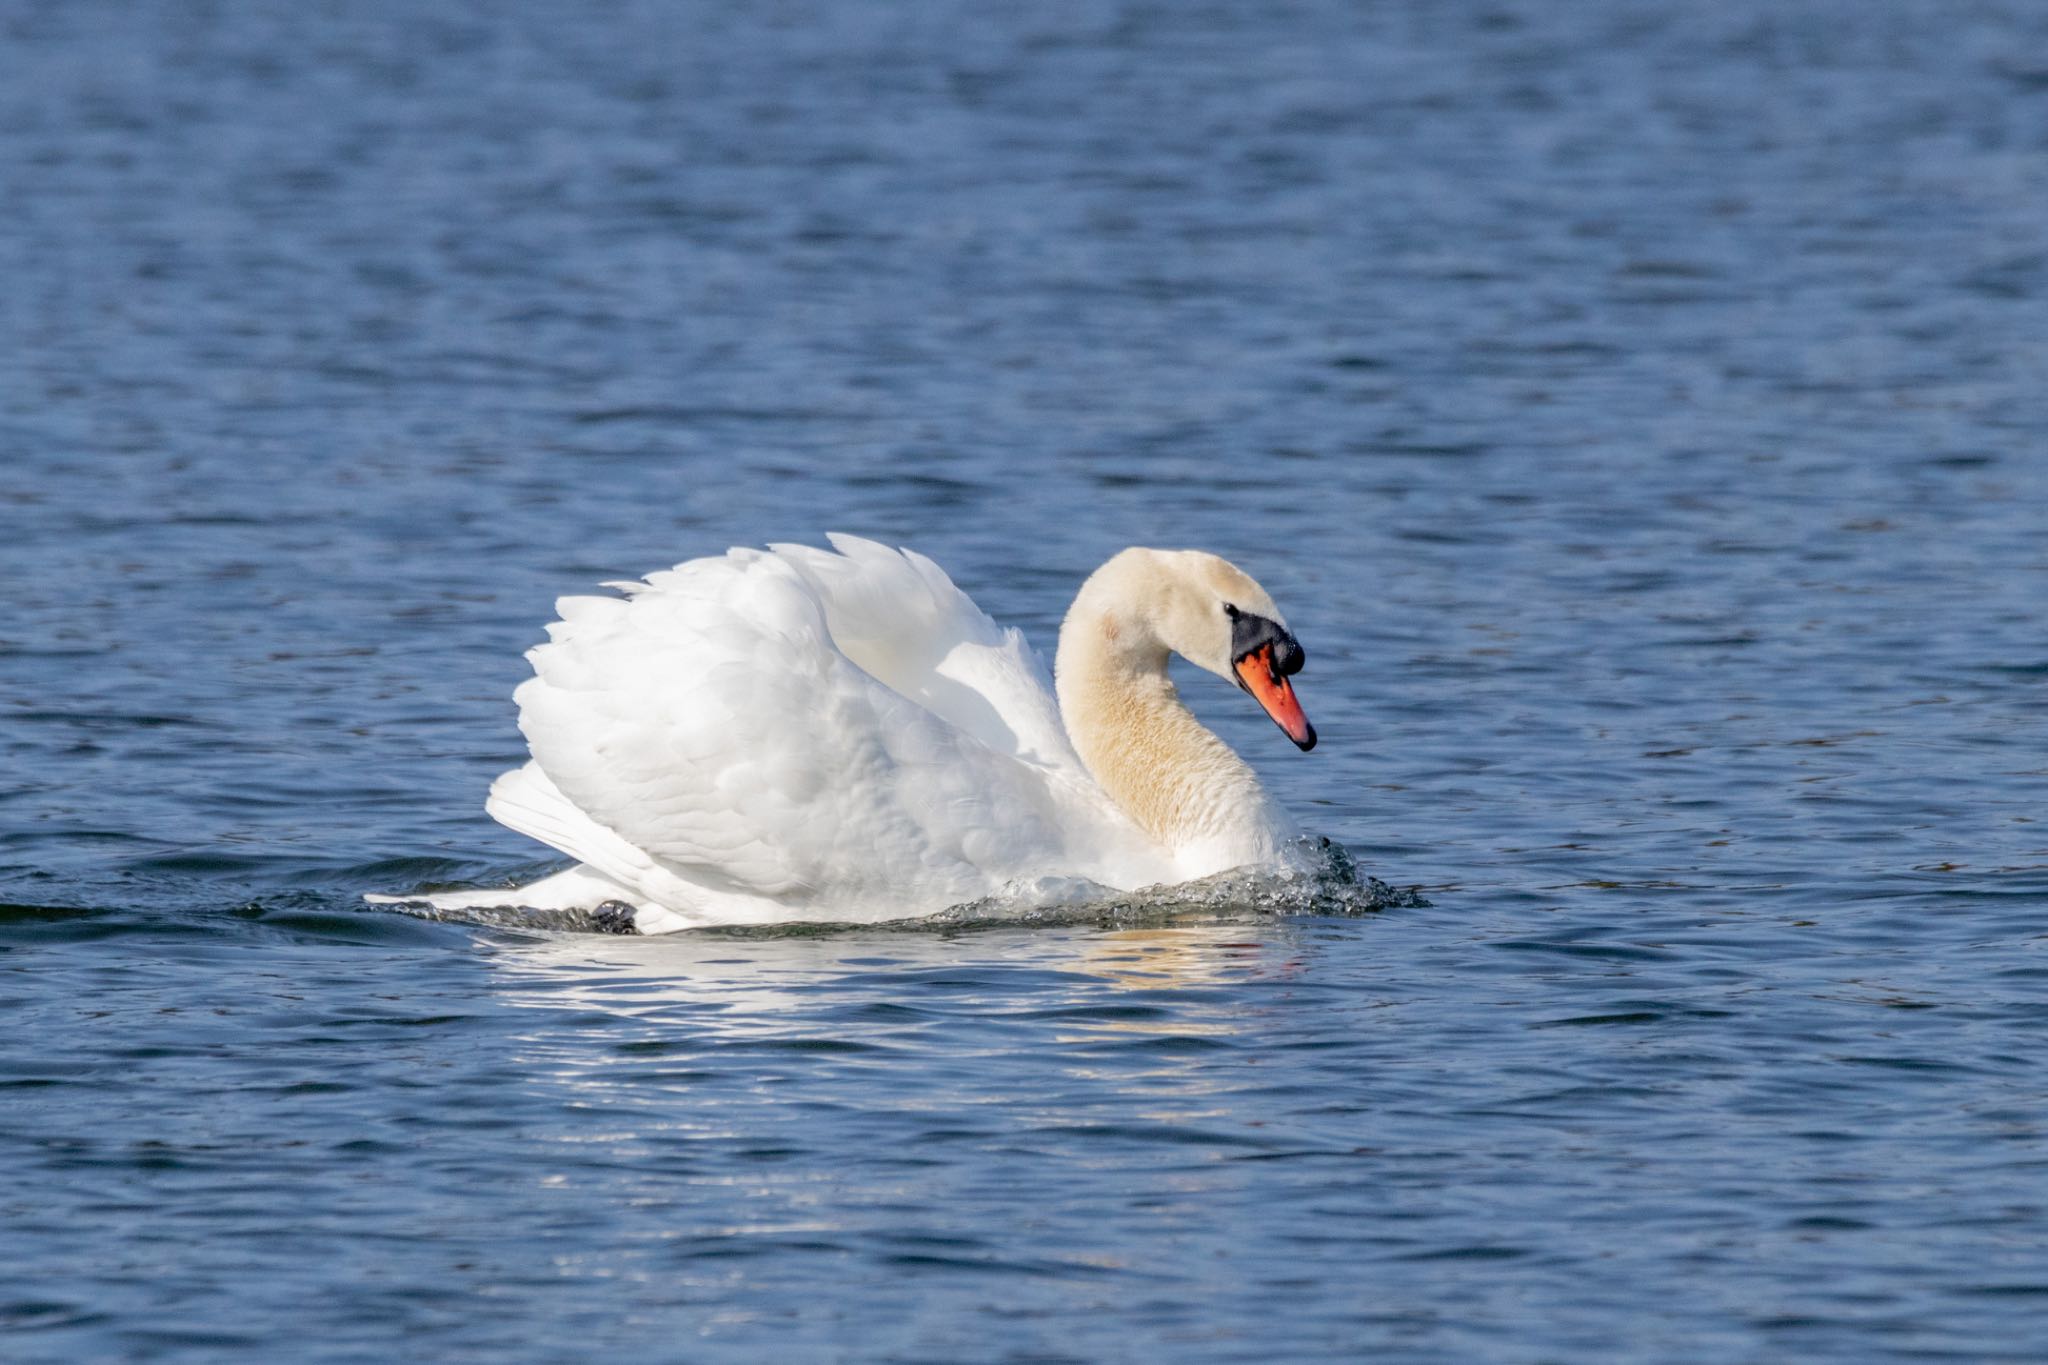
x=1249, y=634
x=1232, y=612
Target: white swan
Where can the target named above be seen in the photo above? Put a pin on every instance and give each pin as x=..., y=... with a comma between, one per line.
x=802, y=735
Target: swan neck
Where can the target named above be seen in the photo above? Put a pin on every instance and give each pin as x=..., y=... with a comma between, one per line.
x=1166, y=770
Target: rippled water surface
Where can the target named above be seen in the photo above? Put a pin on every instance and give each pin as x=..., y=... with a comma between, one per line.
x=1638, y=410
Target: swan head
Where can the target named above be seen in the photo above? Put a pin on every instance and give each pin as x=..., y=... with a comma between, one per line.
x=1211, y=613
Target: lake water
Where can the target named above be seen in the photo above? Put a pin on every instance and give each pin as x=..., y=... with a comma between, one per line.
x=1640, y=412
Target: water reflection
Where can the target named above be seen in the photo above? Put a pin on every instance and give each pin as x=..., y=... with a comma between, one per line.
x=961, y=1048
x=636, y=977
x=767, y=980
x=1140, y=1034
x=1156, y=959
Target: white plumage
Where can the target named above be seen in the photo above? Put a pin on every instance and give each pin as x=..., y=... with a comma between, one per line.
x=803, y=734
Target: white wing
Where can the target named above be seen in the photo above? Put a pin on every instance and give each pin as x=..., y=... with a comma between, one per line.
x=768, y=735
x=897, y=616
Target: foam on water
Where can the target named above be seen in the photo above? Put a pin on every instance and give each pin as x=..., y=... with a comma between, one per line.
x=1317, y=876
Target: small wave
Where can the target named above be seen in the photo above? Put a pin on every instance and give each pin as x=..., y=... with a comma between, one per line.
x=613, y=917
x=1316, y=876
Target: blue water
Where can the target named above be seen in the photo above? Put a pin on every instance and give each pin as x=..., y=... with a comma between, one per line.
x=1637, y=410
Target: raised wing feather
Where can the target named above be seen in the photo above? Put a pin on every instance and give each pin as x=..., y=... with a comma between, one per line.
x=899, y=618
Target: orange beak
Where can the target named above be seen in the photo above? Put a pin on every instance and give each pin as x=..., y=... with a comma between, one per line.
x=1255, y=672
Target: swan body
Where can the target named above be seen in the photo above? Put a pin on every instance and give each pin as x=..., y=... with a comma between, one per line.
x=804, y=734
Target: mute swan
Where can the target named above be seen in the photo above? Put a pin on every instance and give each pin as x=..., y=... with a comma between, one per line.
x=799, y=734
